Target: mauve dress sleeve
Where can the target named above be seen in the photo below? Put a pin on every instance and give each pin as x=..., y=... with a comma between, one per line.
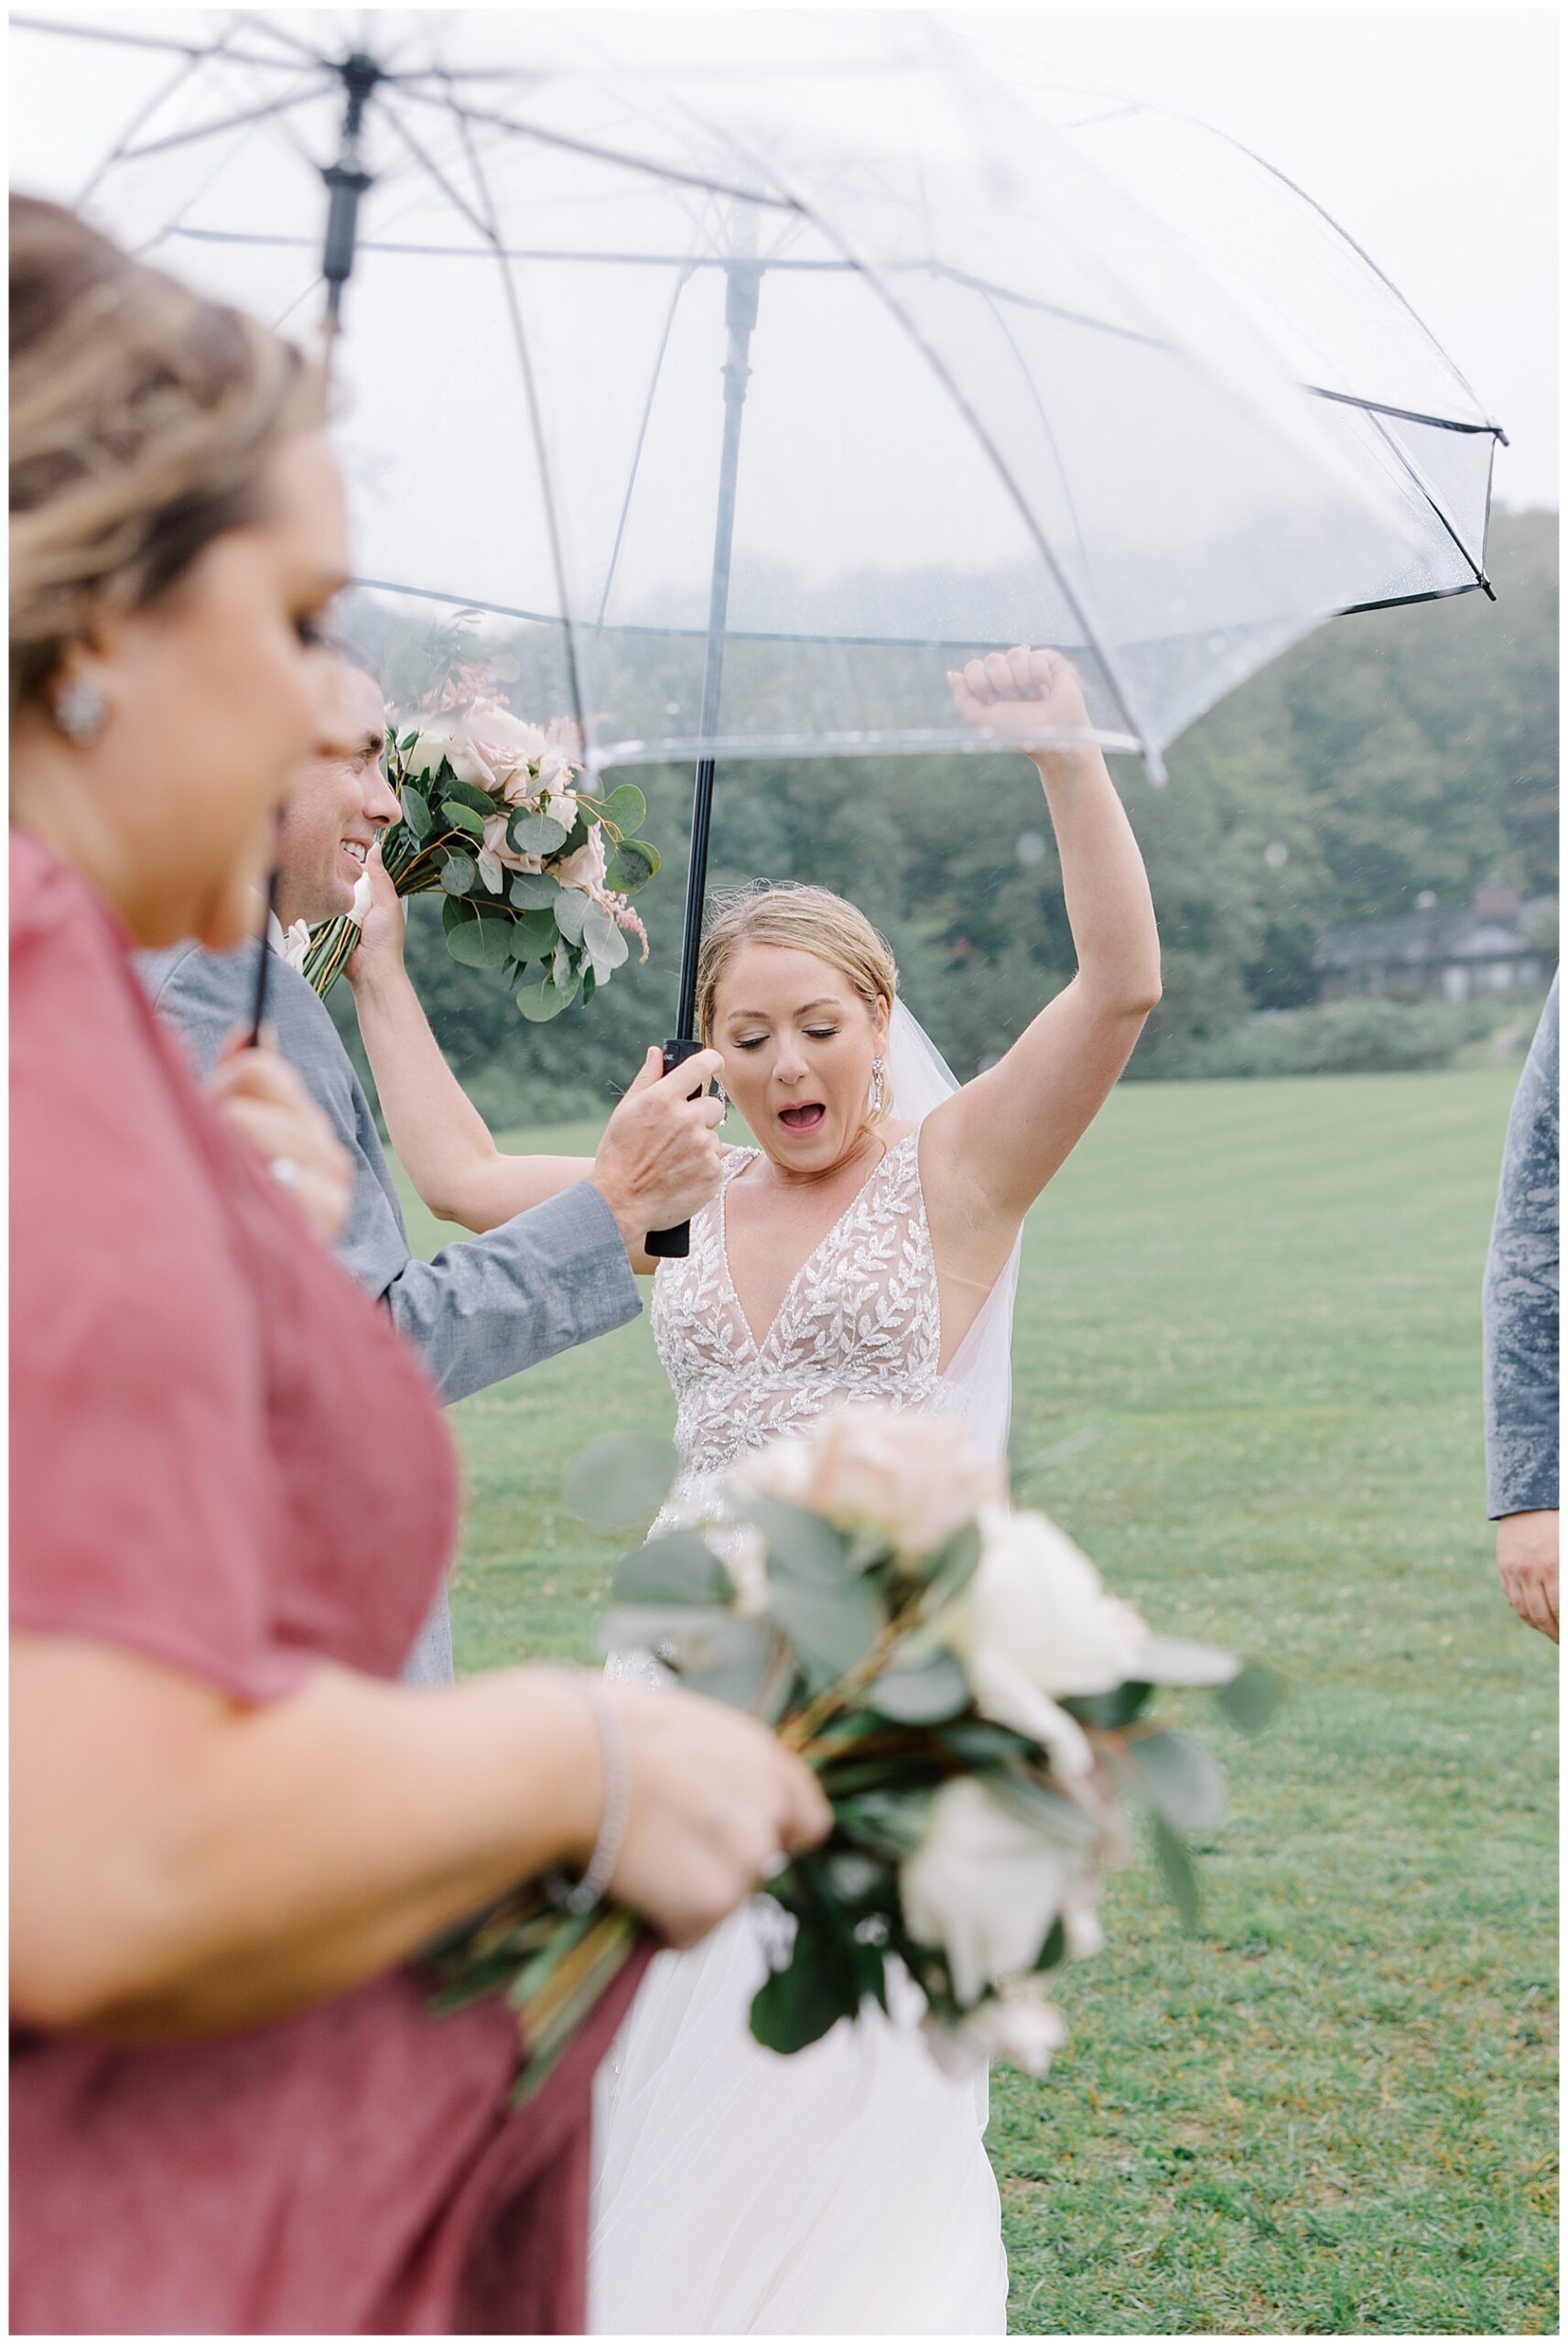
x=142, y=1501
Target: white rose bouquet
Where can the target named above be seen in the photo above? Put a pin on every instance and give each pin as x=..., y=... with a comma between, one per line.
x=537, y=873
x=974, y=1705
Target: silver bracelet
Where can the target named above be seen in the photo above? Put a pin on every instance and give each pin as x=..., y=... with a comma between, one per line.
x=583, y=1895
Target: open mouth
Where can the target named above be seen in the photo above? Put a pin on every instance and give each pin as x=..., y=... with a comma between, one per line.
x=355, y=849
x=803, y=1119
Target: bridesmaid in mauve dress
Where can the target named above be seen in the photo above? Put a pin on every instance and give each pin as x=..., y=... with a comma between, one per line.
x=233, y=1494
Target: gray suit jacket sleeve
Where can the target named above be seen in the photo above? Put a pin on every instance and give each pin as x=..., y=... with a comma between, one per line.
x=484, y=1308
x=1519, y=1296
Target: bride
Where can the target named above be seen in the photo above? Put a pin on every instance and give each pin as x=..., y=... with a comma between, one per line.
x=866, y=1248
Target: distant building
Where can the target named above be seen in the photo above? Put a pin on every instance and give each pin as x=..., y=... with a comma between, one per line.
x=1443, y=952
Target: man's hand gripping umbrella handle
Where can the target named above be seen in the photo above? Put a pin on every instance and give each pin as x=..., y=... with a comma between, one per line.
x=674, y=1244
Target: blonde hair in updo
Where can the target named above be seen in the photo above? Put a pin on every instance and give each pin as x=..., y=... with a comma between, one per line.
x=143, y=421
x=801, y=919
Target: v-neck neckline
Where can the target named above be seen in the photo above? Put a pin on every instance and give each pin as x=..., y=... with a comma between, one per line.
x=828, y=1235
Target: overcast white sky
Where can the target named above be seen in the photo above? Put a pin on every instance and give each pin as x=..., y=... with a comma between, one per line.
x=1429, y=134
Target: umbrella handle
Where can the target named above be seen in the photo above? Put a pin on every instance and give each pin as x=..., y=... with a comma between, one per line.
x=674, y=1244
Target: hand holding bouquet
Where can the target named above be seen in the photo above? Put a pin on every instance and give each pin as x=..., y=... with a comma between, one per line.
x=536, y=875
x=975, y=1706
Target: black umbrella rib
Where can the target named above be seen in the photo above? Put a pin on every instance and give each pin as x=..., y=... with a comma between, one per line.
x=1363, y=255
x=1406, y=414
x=1408, y=461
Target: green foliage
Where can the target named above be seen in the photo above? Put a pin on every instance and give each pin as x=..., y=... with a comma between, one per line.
x=620, y=1479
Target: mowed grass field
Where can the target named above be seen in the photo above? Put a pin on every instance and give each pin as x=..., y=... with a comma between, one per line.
x=1248, y=1382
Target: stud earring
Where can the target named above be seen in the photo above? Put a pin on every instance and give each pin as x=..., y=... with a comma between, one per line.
x=878, y=1087
x=79, y=709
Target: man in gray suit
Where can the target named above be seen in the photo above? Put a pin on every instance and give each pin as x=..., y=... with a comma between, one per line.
x=555, y=1276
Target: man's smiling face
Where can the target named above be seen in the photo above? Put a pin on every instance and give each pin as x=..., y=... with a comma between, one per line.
x=330, y=821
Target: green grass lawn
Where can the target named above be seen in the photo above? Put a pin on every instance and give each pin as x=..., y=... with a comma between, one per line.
x=1247, y=1382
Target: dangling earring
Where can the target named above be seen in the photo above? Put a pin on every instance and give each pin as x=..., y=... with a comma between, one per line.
x=79, y=709
x=878, y=1087
x=723, y=1097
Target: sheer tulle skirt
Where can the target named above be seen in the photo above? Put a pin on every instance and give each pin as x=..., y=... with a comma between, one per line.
x=845, y=2189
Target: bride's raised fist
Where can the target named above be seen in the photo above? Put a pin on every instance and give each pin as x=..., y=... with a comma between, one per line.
x=1019, y=693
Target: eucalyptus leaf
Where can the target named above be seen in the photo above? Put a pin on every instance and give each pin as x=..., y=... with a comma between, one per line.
x=798, y=2005
x=415, y=811
x=1252, y=1698
x=983, y=1744
x=632, y=866
x=535, y=833
x=1057, y=1818
x=463, y=817
x=626, y=806
x=540, y=1001
x=588, y=982
x=533, y=936
x=679, y=1568
x=571, y=908
x=890, y=1824
x=1178, y=1871
x=1054, y=1950
x=480, y=943
x=603, y=939
x=1109, y=1711
x=800, y=1544
x=831, y=1628
x=1180, y=1779
x=952, y=1567
x=468, y=793
x=927, y=1695
x=733, y=1664
x=459, y=872
x=534, y=890
x=654, y=1627
x=621, y=1479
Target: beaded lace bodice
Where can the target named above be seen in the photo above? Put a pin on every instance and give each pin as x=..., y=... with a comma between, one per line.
x=859, y=1320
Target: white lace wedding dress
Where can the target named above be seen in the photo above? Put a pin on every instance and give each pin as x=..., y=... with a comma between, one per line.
x=845, y=2189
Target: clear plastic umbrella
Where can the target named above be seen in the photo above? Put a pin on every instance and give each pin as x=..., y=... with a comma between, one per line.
x=749, y=373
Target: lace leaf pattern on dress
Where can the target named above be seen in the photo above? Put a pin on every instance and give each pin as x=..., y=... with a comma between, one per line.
x=860, y=1320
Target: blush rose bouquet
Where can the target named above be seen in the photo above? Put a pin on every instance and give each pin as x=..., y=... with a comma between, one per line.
x=975, y=1703
x=537, y=873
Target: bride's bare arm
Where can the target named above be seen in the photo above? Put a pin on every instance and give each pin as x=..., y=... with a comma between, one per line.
x=997, y=1142
x=437, y=1133
x=657, y=1163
